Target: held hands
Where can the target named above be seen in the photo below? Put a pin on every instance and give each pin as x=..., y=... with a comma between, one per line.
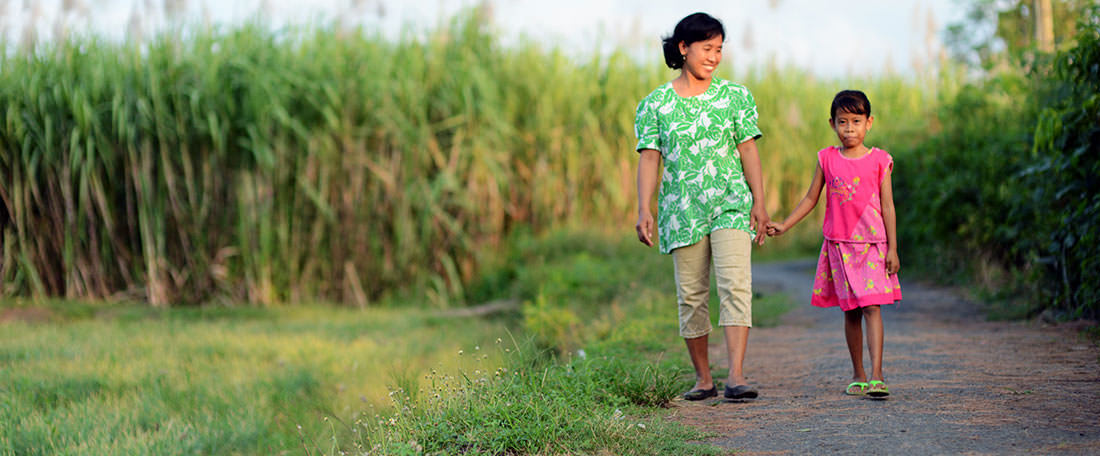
x=644, y=227
x=776, y=229
x=759, y=220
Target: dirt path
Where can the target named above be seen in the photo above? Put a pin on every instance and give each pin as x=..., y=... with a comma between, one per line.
x=960, y=384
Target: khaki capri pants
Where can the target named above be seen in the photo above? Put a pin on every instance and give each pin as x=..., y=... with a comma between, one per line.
x=730, y=251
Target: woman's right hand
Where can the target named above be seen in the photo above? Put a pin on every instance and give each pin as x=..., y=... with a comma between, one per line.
x=644, y=227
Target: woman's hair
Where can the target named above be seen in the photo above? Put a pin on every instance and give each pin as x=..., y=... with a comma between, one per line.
x=850, y=101
x=695, y=27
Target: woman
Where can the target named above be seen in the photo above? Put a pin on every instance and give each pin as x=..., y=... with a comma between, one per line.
x=711, y=202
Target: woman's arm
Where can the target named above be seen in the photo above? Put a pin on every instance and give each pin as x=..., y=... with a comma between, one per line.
x=750, y=163
x=648, y=166
x=889, y=218
x=804, y=207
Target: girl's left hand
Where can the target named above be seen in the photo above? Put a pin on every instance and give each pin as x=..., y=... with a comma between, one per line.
x=893, y=263
x=759, y=219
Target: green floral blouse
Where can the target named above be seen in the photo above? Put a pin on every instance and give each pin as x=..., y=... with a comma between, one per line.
x=703, y=187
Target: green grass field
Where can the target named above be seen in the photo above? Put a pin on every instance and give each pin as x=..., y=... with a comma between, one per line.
x=80, y=378
x=127, y=380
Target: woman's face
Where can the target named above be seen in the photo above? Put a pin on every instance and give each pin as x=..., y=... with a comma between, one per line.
x=701, y=58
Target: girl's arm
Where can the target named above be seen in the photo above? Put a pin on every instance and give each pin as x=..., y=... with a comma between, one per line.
x=889, y=218
x=648, y=166
x=804, y=207
x=750, y=164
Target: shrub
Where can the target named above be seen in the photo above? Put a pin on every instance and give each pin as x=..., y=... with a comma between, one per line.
x=1013, y=179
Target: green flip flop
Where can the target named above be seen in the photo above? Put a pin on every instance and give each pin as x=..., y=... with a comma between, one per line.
x=878, y=388
x=859, y=392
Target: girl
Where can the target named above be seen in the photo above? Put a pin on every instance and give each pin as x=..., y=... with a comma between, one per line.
x=711, y=199
x=857, y=270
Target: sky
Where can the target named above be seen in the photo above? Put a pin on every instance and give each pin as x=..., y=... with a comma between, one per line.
x=828, y=38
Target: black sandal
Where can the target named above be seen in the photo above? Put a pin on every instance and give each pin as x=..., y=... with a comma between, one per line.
x=740, y=392
x=700, y=394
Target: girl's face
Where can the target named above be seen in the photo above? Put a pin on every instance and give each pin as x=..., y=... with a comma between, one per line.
x=701, y=58
x=851, y=128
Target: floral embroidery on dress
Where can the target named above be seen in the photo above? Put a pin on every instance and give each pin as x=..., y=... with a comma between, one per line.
x=844, y=189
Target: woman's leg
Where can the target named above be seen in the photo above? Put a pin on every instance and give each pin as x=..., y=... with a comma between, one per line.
x=692, y=269
x=873, y=315
x=697, y=350
x=853, y=334
x=732, y=253
x=737, y=341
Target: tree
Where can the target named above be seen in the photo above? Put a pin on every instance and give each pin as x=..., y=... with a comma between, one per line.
x=1044, y=25
x=995, y=30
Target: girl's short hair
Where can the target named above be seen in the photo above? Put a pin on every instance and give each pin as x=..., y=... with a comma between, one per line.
x=695, y=27
x=850, y=101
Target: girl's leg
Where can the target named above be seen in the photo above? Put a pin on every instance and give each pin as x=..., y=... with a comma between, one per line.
x=873, y=314
x=853, y=334
x=692, y=270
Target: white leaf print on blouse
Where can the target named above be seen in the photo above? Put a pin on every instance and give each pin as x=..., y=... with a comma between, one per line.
x=685, y=204
x=747, y=114
x=745, y=199
x=666, y=108
x=670, y=200
x=704, y=121
x=709, y=169
x=695, y=149
x=708, y=195
x=697, y=180
x=722, y=152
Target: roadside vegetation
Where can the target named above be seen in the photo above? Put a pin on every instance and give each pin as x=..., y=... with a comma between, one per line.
x=275, y=167
x=245, y=241
x=585, y=364
x=1006, y=196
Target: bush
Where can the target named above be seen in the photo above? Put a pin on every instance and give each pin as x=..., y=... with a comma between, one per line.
x=1060, y=189
x=1013, y=180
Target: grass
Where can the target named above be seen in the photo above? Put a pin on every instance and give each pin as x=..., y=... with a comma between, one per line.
x=126, y=380
x=607, y=295
x=324, y=164
x=614, y=300
x=131, y=379
x=601, y=403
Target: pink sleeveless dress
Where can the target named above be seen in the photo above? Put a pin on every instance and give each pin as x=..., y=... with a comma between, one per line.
x=851, y=271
